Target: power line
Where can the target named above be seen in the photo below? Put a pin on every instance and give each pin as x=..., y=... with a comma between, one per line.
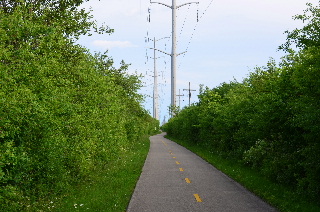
x=173, y=54
x=196, y=25
x=184, y=22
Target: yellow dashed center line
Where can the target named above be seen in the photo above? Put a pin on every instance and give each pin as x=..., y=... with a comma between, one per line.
x=164, y=143
x=197, y=197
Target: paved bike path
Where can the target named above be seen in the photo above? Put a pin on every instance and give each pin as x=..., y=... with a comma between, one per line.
x=174, y=179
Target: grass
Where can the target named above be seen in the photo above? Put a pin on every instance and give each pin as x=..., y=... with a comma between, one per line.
x=110, y=188
x=279, y=196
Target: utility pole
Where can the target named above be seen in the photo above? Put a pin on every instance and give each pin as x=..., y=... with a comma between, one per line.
x=155, y=83
x=179, y=98
x=173, y=54
x=189, y=92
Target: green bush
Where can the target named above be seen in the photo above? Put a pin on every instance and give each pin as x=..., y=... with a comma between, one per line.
x=270, y=121
x=63, y=111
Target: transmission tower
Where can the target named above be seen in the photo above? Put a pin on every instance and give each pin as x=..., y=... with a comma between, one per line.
x=179, y=95
x=173, y=54
x=155, y=83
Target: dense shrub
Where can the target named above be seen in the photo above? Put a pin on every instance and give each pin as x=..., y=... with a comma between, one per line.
x=63, y=111
x=270, y=121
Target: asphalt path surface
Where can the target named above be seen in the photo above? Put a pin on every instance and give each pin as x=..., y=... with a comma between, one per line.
x=174, y=179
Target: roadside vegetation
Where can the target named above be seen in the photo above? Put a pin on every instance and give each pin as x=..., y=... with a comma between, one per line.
x=268, y=124
x=280, y=196
x=111, y=186
x=68, y=118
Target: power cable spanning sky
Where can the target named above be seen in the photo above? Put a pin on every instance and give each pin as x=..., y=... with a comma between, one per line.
x=231, y=38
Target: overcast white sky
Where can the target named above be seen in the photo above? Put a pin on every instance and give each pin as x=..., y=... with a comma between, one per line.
x=230, y=39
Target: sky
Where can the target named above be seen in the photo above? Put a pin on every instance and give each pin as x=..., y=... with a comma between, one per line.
x=224, y=39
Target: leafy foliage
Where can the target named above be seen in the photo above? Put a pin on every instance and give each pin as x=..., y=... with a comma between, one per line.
x=63, y=112
x=270, y=121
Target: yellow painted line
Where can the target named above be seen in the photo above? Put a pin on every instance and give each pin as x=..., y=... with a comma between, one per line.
x=197, y=197
x=181, y=169
x=177, y=162
x=187, y=180
x=164, y=143
x=173, y=157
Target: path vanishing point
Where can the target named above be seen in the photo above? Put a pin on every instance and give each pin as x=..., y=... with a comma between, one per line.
x=174, y=179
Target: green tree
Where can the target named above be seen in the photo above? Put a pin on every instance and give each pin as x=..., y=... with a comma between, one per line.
x=271, y=119
x=64, y=113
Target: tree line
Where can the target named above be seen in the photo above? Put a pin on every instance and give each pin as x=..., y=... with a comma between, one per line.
x=269, y=121
x=64, y=112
